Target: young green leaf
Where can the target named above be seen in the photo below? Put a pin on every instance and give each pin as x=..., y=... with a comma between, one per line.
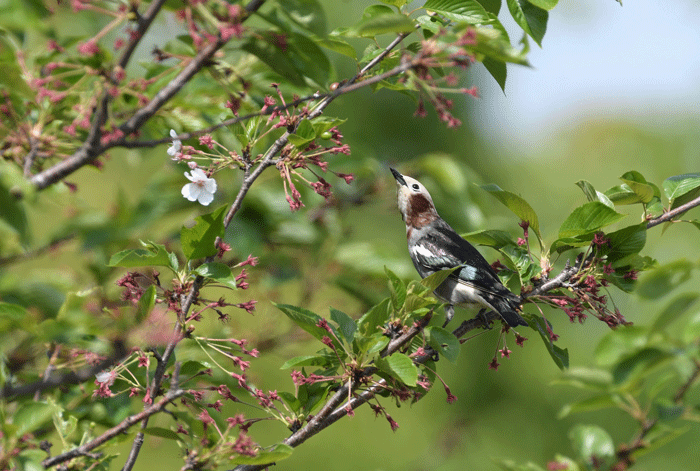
x=460, y=11
x=559, y=355
x=588, y=218
x=151, y=255
x=345, y=323
x=593, y=195
x=591, y=441
x=277, y=453
x=433, y=281
x=400, y=367
x=198, y=241
x=398, y=288
x=517, y=205
x=146, y=304
x=218, y=272
x=677, y=186
x=638, y=184
x=380, y=19
x=443, y=341
x=374, y=319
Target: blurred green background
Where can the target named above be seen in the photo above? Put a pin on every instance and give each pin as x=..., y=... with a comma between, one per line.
x=537, y=140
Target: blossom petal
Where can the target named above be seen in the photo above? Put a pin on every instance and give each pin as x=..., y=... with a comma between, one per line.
x=210, y=185
x=191, y=191
x=205, y=198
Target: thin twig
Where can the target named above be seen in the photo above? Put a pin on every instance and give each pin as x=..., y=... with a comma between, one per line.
x=174, y=393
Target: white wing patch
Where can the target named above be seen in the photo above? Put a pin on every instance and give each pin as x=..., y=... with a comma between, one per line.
x=422, y=251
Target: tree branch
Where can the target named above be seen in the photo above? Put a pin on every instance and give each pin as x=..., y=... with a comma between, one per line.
x=667, y=216
x=174, y=393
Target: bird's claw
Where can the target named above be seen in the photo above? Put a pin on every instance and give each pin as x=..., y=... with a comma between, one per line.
x=484, y=319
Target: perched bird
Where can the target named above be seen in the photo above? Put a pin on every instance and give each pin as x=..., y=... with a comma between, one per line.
x=434, y=246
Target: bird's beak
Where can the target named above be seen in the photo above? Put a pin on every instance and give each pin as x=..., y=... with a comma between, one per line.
x=399, y=178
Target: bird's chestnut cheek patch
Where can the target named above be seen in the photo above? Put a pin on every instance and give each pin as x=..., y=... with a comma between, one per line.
x=420, y=204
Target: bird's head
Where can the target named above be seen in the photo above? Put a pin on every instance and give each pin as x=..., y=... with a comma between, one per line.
x=415, y=203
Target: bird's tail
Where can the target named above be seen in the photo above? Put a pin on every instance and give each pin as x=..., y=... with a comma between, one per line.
x=509, y=308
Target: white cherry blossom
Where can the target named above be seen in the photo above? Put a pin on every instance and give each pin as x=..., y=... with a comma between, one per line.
x=201, y=189
x=176, y=145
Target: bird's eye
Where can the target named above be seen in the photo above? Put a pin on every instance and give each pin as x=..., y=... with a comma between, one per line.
x=416, y=187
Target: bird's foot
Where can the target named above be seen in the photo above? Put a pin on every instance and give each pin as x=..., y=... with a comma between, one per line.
x=484, y=319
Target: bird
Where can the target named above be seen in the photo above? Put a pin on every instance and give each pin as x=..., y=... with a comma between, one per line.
x=433, y=246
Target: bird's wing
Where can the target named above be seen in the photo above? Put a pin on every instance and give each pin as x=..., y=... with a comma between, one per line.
x=442, y=248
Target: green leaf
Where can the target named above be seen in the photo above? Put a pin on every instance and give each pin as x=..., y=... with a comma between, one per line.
x=591, y=441
x=307, y=320
x=679, y=185
x=619, y=343
x=443, y=341
x=622, y=194
x=460, y=11
x=305, y=360
x=664, y=279
x=433, y=281
x=30, y=416
x=675, y=309
x=294, y=59
x=374, y=319
x=396, y=3
x=602, y=401
x=691, y=329
x=198, y=241
x=532, y=19
x=400, y=367
x=559, y=355
x=639, y=365
x=193, y=367
x=594, y=195
x=337, y=45
x=545, y=4
x=398, y=288
x=279, y=452
x=589, y=217
x=307, y=14
x=218, y=272
x=498, y=71
x=490, y=238
x=303, y=135
x=11, y=315
x=638, y=184
x=627, y=241
x=146, y=304
x=161, y=432
x=380, y=19
x=518, y=206
x=152, y=255
x=345, y=323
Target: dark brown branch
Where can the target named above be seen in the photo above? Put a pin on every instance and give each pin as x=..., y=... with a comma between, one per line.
x=74, y=377
x=174, y=393
x=669, y=215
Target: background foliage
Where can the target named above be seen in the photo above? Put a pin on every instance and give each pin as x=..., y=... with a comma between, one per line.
x=59, y=268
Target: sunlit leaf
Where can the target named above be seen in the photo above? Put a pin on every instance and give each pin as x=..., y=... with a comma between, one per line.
x=591, y=441
x=517, y=205
x=218, y=272
x=589, y=217
x=400, y=367
x=198, y=241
